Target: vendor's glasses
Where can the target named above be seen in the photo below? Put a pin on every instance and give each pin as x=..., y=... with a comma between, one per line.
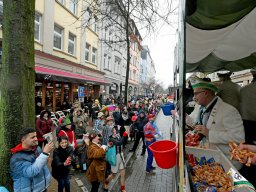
x=197, y=93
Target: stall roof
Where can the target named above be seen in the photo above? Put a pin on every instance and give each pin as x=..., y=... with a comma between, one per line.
x=220, y=35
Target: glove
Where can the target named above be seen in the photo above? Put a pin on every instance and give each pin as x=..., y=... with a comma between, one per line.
x=125, y=134
x=110, y=144
x=67, y=162
x=105, y=147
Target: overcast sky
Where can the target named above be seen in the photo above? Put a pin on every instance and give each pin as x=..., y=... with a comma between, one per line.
x=161, y=45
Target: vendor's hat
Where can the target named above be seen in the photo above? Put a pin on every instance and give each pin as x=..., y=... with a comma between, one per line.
x=198, y=83
x=253, y=71
x=100, y=114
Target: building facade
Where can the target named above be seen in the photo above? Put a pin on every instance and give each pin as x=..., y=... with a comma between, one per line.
x=135, y=60
x=113, y=50
x=147, y=72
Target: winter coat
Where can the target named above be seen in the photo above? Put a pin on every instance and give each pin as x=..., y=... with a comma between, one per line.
x=96, y=163
x=140, y=123
x=225, y=124
x=29, y=170
x=78, y=118
x=117, y=142
x=117, y=117
x=43, y=126
x=60, y=155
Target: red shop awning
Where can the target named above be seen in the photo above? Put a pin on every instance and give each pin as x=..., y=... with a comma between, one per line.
x=54, y=72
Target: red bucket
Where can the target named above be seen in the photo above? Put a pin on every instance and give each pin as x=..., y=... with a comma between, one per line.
x=164, y=152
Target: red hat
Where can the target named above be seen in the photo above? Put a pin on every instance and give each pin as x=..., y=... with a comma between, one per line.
x=151, y=116
x=134, y=118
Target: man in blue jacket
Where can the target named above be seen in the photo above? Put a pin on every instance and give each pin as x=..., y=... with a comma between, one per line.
x=28, y=164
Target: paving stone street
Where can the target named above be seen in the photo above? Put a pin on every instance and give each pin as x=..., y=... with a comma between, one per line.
x=136, y=178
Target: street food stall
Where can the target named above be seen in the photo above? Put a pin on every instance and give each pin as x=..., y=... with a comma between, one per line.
x=214, y=35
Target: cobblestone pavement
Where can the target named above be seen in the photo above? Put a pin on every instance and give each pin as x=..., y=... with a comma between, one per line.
x=78, y=179
x=136, y=178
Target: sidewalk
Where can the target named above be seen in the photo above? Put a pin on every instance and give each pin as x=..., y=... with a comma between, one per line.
x=136, y=178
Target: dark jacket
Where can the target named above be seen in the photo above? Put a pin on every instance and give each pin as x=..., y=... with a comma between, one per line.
x=117, y=117
x=59, y=157
x=117, y=142
x=140, y=123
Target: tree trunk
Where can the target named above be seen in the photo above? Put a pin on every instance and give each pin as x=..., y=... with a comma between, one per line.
x=17, y=83
x=128, y=53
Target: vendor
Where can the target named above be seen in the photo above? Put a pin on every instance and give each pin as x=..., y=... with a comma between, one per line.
x=217, y=120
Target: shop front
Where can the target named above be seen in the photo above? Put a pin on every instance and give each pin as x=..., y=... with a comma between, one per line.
x=57, y=81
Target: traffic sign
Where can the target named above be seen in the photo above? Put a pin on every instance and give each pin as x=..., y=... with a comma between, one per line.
x=81, y=91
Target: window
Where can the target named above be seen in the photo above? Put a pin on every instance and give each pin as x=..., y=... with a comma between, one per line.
x=109, y=63
x=117, y=65
x=71, y=44
x=105, y=33
x=37, y=26
x=110, y=35
x=95, y=26
x=73, y=6
x=57, y=38
x=105, y=61
x=62, y=2
x=94, y=55
x=87, y=51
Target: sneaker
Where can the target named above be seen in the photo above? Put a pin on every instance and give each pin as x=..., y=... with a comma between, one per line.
x=153, y=168
x=150, y=173
x=142, y=154
x=131, y=150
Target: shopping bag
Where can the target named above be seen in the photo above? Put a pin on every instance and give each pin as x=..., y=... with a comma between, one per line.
x=111, y=156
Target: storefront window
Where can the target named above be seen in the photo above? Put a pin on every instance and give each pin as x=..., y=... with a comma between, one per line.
x=58, y=96
x=49, y=96
x=38, y=97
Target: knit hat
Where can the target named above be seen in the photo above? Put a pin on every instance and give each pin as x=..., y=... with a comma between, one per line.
x=151, y=116
x=61, y=121
x=100, y=114
x=141, y=111
x=134, y=118
x=67, y=121
x=198, y=83
x=93, y=134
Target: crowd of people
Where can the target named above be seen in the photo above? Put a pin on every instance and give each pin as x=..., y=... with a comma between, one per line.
x=79, y=149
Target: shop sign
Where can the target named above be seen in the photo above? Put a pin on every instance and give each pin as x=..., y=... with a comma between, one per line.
x=113, y=87
x=81, y=99
x=81, y=91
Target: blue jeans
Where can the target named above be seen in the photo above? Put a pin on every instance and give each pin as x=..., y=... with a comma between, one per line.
x=150, y=156
x=64, y=182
